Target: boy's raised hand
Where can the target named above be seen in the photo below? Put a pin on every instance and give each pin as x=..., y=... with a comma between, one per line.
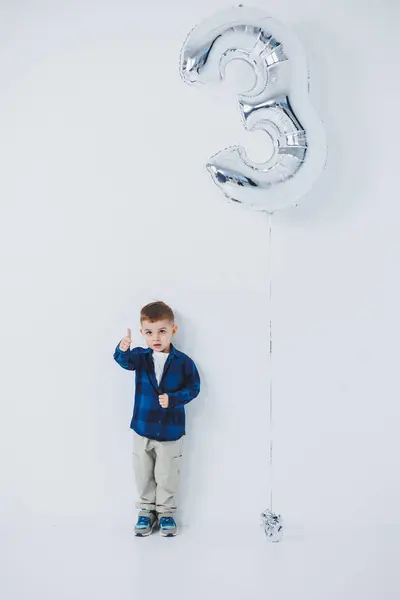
x=125, y=343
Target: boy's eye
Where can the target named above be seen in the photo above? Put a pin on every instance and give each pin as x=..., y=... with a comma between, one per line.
x=162, y=331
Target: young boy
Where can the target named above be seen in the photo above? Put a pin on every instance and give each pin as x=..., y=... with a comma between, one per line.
x=166, y=380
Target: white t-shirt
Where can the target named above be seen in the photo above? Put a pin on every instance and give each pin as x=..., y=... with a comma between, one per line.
x=160, y=359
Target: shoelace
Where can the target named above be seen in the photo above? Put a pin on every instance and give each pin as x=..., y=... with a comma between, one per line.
x=144, y=521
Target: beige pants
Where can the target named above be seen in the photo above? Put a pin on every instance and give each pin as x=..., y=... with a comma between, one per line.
x=157, y=473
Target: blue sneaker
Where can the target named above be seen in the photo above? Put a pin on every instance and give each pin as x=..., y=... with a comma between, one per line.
x=168, y=526
x=145, y=523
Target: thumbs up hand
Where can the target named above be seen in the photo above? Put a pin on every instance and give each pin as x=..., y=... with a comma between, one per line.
x=125, y=343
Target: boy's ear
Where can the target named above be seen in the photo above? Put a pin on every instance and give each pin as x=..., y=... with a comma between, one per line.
x=174, y=329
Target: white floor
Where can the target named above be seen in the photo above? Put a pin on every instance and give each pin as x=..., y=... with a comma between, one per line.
x=77, y=561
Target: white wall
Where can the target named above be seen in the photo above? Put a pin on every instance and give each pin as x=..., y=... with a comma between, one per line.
x=106, y=205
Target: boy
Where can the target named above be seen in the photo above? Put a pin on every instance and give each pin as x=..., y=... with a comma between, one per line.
x=166, y=380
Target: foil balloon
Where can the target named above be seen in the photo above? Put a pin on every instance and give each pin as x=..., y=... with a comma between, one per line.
x=278, y=104
x=272, y=524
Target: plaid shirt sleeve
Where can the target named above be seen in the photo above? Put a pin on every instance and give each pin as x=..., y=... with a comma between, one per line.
x=128, y=359
x=190, y=389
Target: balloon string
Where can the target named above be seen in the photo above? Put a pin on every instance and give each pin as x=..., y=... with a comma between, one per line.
x=270, y=356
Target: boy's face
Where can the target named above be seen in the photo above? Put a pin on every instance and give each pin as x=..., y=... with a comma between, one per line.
x=158, y=335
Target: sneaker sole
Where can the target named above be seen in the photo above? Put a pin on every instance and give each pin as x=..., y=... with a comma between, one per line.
x=139, y=534
x=169, y=534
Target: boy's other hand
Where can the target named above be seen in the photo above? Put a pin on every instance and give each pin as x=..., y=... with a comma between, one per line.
x=163, y=400
x=125, y=343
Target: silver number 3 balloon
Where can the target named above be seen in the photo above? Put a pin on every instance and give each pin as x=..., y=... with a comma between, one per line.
x=277, y=104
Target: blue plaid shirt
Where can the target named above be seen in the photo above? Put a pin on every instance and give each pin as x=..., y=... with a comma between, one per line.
x=180, y=380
